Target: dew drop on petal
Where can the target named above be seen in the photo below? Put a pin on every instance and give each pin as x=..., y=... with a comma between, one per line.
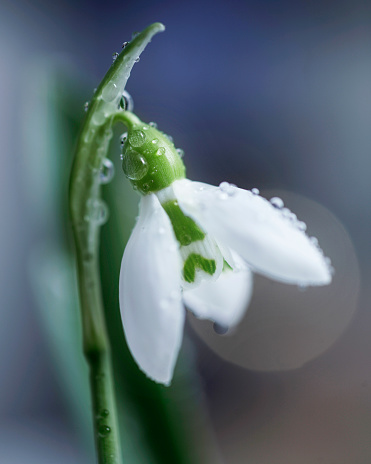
x=301, y=226
x=134, y=165
x=220, y=329
x=277, y=202
x=227, y=189
x=107, y=171
x=137, y=138
x=314, y=240
x=255, y=191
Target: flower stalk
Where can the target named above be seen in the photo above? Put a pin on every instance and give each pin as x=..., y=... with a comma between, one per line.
x=88, y=212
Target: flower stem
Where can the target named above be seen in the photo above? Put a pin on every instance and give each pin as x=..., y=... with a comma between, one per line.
x=88, y=213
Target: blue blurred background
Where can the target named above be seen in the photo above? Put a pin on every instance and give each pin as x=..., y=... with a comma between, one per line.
x=267, y=94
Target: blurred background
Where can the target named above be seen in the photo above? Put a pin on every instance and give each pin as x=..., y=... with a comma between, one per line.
x=267, y=94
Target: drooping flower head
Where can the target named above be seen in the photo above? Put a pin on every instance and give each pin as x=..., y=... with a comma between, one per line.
x=195, y=245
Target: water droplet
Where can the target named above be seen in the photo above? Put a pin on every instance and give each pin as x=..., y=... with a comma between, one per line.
x=134, y=165
x=186, y=240
x=161, y=151
x=154, y=141
x=107, y=171
x=121, y=156
x=227, y=189
x=94, y=90
x=180, y=152
x=104, y=413
x=292, y=217
x=145, y=187
x=301, y=226
x=255, y=191
x=126, y=101
x=137, y=138
x=86, y=106
x=123, y=138
x=220, y=329
x=153, y=124
x=104, y=431
x=135, y=34
x=96, y=211
x=109, y=92
x=277, y=202
x=125, y=44
x=137, y=59
x=114, y=56
x=314, y=240
x=169, y=137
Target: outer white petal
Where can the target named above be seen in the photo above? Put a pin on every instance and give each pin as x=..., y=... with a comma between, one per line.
x=150, y=293
x=271, y=243
x=225, y=300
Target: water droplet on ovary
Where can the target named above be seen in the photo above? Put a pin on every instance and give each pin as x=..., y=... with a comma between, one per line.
x=180, y=152
x=277, y=202
x=107, y=171
x=104, y=431
x=153, y=124
x=96, y=211
x=137, y=138
x=110, y=92
x=255, y=191
x=169, y=137
x=154, y=141
x=161, y=151
x=134, y=165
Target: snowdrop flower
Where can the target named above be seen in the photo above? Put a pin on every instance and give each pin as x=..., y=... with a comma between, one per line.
x=195, y=245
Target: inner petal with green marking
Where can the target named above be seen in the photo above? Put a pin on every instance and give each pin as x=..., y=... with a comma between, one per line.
x=201, y=256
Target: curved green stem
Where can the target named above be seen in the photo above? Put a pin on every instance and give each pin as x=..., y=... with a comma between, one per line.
x=87, y=214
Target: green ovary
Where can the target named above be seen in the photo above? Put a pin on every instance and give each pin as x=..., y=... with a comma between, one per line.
x=194, y=262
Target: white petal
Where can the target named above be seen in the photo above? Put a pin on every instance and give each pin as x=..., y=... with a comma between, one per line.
x=271, y=243
x=150, y=293
x=225, y=300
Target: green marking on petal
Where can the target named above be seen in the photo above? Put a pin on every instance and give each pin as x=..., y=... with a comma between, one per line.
x=185, y=229
x=226, y=266
x=195, y=261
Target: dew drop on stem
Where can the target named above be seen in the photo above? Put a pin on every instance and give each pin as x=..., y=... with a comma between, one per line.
x=126, y=101
x=107, y=171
